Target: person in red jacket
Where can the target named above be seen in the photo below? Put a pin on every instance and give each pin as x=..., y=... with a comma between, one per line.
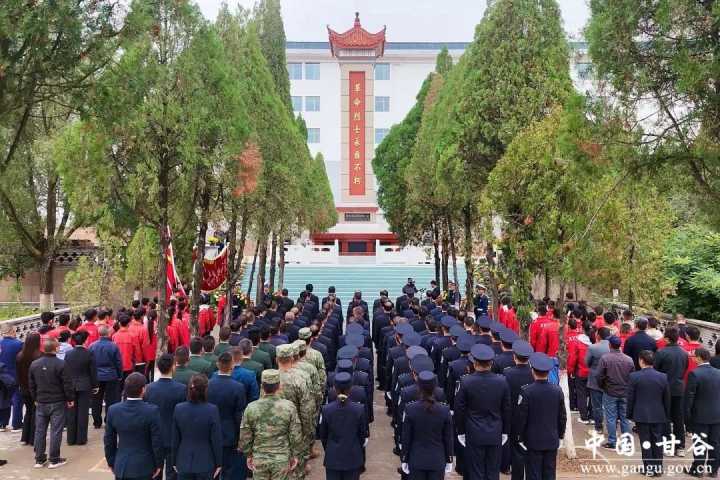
x=626, y=330
x=173, y=332
x=549, y=340
x=536, y=326
x=206, y=318
x=578, y=371
x=90, y=327
x=127, y=344
x=140, y=332
x=183, y=324
x=63, y=320
x=150, y=350
x=105, y=318
x=693, y=335
x=511, y=320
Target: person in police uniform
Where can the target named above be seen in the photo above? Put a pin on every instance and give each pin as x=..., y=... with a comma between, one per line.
x=541, y=420
x=482, y=416
x=505, y=358
x=517, y=376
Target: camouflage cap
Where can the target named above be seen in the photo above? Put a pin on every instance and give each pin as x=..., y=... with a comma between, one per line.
x=284, y=351
x=300, y=345
x=295, y=349
x=304, y=333
x=270, y=377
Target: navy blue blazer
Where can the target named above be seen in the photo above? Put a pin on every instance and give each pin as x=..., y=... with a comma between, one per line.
x=502, y=361
x=701, y=396
x=166, y=393
x=636, y=343
x=197, y=438
x=427, y=436
x=133, y=444
x=230, y=399
x=541, y=416
x=648, y=396
x=482, y=408
x=343, y=430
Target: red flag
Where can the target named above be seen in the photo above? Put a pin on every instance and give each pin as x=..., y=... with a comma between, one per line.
x=173, y=281
x=215, y=271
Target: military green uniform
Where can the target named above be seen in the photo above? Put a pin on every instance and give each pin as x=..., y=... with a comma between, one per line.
x=314, y=357
x=183, y=374
x=262, y=357
x=271, y=434
x=309, y=368
x=200, y=365
x=268, y=348
x=212, y=359
x=221, y=348
x=254, y=366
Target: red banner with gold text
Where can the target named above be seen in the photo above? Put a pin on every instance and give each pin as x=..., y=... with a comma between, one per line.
x=357, y=133
x=215, y=271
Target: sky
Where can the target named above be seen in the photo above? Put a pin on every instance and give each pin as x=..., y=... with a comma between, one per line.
x=406, y=20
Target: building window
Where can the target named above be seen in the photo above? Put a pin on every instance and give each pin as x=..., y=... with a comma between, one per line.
x=312, y=71
x=380, y=134
x=295, y=71
x=313, y=135
x=382, y=71
x=382, y=104
x=312, y=104
x=297, y=104
x=584, y=70
x=357, y=217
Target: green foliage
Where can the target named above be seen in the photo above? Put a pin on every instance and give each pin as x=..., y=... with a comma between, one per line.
x=142, y=258
x=272, y=41
x=658, y=57
x=443, y=62
x=82, y=284
x=692, y=263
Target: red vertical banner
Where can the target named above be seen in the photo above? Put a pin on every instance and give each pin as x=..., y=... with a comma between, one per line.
x=356, y=138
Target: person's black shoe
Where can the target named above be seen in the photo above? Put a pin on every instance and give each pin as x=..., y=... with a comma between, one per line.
x=396, y=451
x=609, y=446
x=3, y=462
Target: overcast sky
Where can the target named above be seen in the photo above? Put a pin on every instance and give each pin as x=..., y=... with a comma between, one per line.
x=406, y=20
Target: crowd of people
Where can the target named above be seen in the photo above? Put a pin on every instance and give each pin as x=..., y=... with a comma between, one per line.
x=462, y=389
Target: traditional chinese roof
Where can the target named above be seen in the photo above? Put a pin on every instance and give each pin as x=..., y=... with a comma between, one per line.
x=357, y=38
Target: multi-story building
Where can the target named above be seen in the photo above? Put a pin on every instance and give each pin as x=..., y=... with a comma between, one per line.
x=351, y=90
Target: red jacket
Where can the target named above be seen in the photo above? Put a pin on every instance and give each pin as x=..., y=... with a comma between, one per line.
x=206, y=320
x=690, y=347
x=129, y=348
x=535, y=332
x=549, y=342
x=512, y=321
x=662, y=343
x=140, y=333
x=55, y=332
x=92, y=331
x=150, y=351
x=173, y=335
x=222, y=301
x=183, y=326
x=576, y=365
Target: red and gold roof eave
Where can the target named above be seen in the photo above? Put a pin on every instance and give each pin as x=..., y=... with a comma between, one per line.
x=357, y=38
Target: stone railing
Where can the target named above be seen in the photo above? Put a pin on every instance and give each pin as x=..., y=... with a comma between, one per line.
x=30, y=323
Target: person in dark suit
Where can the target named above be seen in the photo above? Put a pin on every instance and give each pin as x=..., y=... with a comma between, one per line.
x=517, y=377
x=197, y=451
x=166, y=393
x=230, y=398
x=672, y=360
x=482, y=416
x=80, y=364
x=343, y=432
x=427, y=434
x=648, y=405
x=639, y=341
x=702, y=414
x=133, y=442
x=541, y=420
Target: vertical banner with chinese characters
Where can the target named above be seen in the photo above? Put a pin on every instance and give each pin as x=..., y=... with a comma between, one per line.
x=357, y=133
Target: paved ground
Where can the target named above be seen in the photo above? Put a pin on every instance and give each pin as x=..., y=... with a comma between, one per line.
x=88, y=463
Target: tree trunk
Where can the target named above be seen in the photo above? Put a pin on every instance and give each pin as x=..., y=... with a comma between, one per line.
x=492, y=280
x=468, y=250
x=281, y=266
x=47, y=300
x=569, y=441
x=436, y=250
x=262, y=264
x=451, y=232
x=235, y=255
x=252, y=271
x=273, y=260
x=445, y=261
x=198, y=264
x=546, y=276
x=162, y=291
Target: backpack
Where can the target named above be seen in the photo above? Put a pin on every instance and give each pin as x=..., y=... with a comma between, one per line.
x=554, y=374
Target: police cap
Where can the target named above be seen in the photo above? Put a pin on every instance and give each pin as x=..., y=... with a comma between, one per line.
x=482, y=352
x=541, y=362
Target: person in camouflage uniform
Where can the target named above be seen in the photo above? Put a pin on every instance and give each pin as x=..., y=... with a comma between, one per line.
x=296, y=386
x=300, y=361
x=314, y=357
x=270, y=433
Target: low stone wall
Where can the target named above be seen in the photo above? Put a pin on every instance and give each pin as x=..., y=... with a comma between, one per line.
x=30, y=323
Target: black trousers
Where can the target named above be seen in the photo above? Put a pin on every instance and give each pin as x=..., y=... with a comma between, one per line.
x=517, y=461
x=28, y=431
x=540, y=464
x=342, y=474
x=77, y=419
x=426, y=474
x=652, y=433
x=150, y=371
x=572, y=393
x=482, y=462
x=505, y=458
x=170, y=473
x=581, y=394
x=709, y=461
x=677, y=420
x=108, y=392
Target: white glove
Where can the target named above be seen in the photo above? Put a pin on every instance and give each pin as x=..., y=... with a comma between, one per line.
x=405, y=468
x=522, y=445
x=503, y=439
x=561, y=443
x=461, y=439
x=448, y=467
x=365, y=442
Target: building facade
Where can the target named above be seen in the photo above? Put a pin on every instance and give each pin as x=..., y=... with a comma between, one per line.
x=351, y=90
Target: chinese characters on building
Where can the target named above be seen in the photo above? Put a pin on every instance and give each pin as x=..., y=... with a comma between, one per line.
x=357, y=133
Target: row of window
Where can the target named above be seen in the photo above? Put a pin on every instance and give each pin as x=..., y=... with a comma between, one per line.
x=312, y=104
x=312, y=71
x=314, y=135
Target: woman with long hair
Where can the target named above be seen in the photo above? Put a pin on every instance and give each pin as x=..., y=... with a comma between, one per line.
x=427, y=434
x=197, y=451
x=343, y=433
x=151, y=348
x=29, y=353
